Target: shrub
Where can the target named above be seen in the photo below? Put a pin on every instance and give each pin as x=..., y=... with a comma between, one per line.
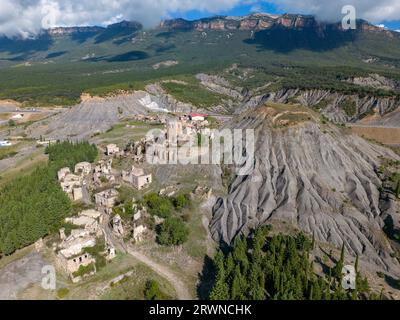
x=83, y=270
x=172, y=232
x=62, y=293
x=181, y=201
x=152, y=291
x=159, y=206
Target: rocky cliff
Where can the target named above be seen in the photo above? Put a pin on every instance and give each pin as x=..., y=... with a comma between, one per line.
x=129, y=26
x=339, y=107
x=317, y=178
x=66, y=31
x=263, y=21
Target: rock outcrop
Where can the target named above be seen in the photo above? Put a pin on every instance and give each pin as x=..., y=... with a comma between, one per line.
x=331, y=104
x=376, y=81
x=264, y=21
x=67, y=31
x=316, y=178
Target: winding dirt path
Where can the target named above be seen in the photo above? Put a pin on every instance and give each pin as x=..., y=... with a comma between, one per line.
x=180, y=287
x=182, y=291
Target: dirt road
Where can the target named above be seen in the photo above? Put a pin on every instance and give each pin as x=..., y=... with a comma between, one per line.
x=182, y=291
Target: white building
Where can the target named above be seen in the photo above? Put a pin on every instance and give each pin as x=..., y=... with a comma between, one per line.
x=137, y=178
x=197, y=116
x=112, y=149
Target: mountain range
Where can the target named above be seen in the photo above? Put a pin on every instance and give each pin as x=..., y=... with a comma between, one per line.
x=298, y=50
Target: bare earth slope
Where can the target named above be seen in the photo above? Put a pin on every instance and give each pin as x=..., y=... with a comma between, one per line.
x=91, y=116
x=317, y=178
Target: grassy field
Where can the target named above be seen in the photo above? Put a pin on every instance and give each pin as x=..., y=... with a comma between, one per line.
x=8, y=152
x=193, y=93
x=24, y=166
x=98, y=286
x=133, y=287
x=125, y=132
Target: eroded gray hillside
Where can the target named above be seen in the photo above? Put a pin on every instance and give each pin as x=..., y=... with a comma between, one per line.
x=315, y=177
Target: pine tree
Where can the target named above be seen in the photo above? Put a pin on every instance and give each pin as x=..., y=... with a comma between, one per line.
x=337, y=272
x=356, y=265
x=220, y=290
x=313, y=241
x=311, y=294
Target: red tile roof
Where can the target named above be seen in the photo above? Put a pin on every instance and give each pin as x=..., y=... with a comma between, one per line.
x=197, y=115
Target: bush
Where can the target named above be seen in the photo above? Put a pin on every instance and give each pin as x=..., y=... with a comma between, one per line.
x=152, y=291
x=181, y=201
x=349, y=107
x=172, y=232
x=62, y=293
x=98, y=253
x=159, y=206
x=83, y=270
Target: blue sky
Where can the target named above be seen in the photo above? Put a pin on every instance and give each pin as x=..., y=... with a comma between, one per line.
x=261, y=7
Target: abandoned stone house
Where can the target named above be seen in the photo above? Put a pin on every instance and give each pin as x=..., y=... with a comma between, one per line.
x=117, y=226
x=137, y=150
x=138, y=233
x=83, y=168
x=71, y=184
x=72, y=263
x=71, y=255
x=111, y=253
x=103, y=167
x=88, y=223
x=62, y=173
x=106, y=200
x=137, y=178
x=112, y=149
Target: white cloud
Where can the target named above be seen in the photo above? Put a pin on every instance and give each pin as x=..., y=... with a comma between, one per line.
x=330, y=10
x=25, y=17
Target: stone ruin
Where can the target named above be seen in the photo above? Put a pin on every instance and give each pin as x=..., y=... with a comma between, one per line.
x=71, y=254
x=106, y=200
x=71, y=184
x=137, y=178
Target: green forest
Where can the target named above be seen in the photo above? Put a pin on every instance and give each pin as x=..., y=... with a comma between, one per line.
x=279, y=268
x=34, y=206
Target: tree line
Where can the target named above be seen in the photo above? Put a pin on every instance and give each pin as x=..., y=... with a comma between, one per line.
x=279, y=268
x=34, y=205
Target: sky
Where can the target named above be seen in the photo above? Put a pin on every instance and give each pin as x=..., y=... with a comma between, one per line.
x=26, y=18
